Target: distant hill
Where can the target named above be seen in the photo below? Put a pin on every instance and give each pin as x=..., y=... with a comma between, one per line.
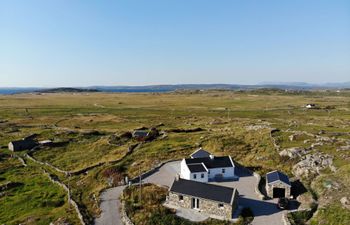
x=176, y=87
x=66, y=90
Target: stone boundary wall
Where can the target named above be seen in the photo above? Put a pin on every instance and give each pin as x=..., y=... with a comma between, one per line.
x=277, y=147
x=21, y=160
x=285, y=219
x=257, y=191
x=78, y=172
x=124, y=217
x=70, y=200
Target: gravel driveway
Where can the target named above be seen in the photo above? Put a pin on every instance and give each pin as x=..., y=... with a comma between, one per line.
x=110, y=205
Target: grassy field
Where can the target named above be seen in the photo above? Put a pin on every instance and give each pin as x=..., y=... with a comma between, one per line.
x=234, y=123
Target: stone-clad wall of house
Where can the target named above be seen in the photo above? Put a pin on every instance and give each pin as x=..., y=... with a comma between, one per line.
x=278, y=184
x=173, y=198
x=205, y=206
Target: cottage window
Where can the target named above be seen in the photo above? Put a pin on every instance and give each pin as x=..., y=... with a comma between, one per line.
x=223, y=170
x=194, y=176
x=181, y=197
x=208, y=171
x=220, y=205
x=202, y=175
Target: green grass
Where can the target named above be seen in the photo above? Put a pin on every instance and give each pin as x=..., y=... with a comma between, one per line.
x=35, y=201
x=53, y=115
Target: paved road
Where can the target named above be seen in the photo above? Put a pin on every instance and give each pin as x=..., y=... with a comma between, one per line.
x=110, y=205
x=165, y=175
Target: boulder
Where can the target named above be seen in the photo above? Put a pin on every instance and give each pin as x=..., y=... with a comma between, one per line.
x=345, y=202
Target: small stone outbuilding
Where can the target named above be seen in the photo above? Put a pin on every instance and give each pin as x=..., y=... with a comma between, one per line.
x=212, y=200
x=277, y=185
x=20, y=145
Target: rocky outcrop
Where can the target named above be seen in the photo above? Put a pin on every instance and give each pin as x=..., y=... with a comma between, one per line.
x=293, y=152
x=312, y=164
x=345, y=202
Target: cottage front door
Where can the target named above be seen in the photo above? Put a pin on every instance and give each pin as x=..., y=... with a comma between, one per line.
x=195, y=203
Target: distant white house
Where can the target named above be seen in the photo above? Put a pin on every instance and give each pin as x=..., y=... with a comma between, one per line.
x=310, y=106
x=205, y=167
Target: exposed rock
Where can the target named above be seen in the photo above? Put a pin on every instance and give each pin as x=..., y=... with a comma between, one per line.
x=312, y=164
x=60, y=221
x=293, y=152
x=344, y=148
x=258, y=127
x=313, y=145
x=324, y=139
x=345, y=202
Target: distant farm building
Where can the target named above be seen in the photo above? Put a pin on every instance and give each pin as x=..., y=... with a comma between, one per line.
x=140, y=135
x=20, y=145
x=310, y=106
x=277, y=185
x=216, y=201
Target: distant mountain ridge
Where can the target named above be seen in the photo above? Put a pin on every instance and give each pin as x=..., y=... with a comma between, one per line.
x=175, y=87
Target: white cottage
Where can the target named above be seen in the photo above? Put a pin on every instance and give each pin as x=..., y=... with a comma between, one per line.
x=205, y=167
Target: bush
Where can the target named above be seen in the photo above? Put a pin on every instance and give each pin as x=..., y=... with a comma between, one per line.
x=246, y=216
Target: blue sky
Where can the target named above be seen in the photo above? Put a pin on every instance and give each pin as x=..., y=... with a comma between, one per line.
x=82, y=43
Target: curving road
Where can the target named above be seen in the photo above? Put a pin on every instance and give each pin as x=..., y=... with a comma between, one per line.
x=110, y=205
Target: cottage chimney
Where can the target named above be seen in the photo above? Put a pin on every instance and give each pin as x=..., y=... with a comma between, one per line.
x=177, y=177
x=211, y=156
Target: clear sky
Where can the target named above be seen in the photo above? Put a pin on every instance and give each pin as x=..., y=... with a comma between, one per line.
x=100, y=42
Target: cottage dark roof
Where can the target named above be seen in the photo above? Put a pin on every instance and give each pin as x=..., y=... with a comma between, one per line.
x=203, y=190
x=216, y=162
x=200, y=153
x=197, y=168
x=277, y=175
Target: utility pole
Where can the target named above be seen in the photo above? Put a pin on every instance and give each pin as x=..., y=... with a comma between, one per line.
x=140, y=184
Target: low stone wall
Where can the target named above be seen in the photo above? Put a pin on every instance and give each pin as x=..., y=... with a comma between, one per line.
x=21, y=160
x=257, y=191
x=285, y=219
x=70, y=200
x=124, y=217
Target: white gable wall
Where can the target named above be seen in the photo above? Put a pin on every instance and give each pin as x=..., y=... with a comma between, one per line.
x=185, y=172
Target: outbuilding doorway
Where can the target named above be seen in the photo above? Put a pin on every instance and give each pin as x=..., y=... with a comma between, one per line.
x=279, y=192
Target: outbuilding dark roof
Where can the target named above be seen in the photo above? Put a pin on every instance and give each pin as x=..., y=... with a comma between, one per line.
x=277, y=175
x=215, y=162
x=140, y=133
x=203, y=190
x=200, y=153
x=197, y=168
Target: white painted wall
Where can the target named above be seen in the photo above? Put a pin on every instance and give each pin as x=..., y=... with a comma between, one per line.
x=199, y=177
x=184, y=172
x=229, y=172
